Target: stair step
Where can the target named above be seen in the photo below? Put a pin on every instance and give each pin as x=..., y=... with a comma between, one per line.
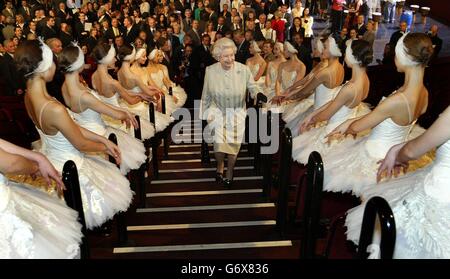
x=205, y=207
x=212, y=246
x=195, y=180
x=199, y=160
x=201, y=225
x=201, y=216
x=204, y=200
x=203, y=193
x=202, y=186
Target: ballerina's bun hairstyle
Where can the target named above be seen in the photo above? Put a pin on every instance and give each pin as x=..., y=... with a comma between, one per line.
x=419, y=47
x=28, y=55
x=125, y=52
x=100, y=51
x=362, y=52
x=67, y=57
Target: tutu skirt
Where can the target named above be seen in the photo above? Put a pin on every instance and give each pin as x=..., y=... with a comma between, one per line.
x=35, y=225
x=422, y=222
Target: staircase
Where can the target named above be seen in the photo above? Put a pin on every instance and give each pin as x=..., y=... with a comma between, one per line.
x=188, y=215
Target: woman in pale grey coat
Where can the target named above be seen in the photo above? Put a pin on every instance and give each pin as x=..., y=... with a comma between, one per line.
x=223, y=104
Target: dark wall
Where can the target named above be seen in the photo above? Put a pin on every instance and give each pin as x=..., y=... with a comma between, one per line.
x=440, y=9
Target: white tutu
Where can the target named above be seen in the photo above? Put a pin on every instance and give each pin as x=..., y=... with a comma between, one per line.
x=141, y=109
x=314, y=139
x=104, y=190
x=132, y=151
x=35, y=225
x=422, y=222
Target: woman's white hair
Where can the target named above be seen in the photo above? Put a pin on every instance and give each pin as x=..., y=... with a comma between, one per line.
x=220, y=45
x=255, y=47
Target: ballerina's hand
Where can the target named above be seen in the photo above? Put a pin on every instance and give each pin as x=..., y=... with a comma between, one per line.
x=307, y=124
x=389, y=165
x=130, y=120
x=113, y=150
x=49, y=173
x=278, y=100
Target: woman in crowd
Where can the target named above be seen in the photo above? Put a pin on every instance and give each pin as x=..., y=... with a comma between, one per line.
x=223, y=104
x=272, y=70
x=307, y=24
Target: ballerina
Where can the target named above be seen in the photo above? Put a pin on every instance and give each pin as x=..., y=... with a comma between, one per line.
x=272, y=70
x=420, y=200
x=111, y=92
x=160, y=76
x=347, y=104
x=34, y=224
x=139, y=72
x=87, y=108
x=104, y=190
x=257, y=64
x=322, y=85
x=289, y=72
x=353, y=165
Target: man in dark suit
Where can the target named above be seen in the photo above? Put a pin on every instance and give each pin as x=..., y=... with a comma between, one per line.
x=360, y=27
x=25, y=11
x=80, y=29
x=92, y=40
x=178, y=52
x=397, y=35
x=174, y=40
x=187, y=20
x=64, y=35
x=8, y=71
x=149, y=28
x=303, y=53
x=131, y=31
x=64, y=14
x=202, y=58
x=163, y=45
x=243, y=52
x=102, y=15
x=49, y=31
x=195, y=33
x=54, y=87
x=435, y=40
x=115, y=30
x=221, y=25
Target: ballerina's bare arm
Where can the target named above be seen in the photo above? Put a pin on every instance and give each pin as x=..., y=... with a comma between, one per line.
x=384, y=110
x=278, y=81
x=345, y=96
x=45, y=168
x=95, y=104
x=261, y=70
x=437, y=134
x=129, y=98
x=58, y=118
x=307, y=89
x=16, y=164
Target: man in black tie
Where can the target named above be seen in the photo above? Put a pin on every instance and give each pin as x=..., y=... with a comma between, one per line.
x=64, y=35
x=194, y=33
x=132, y=31
x=221, y=26
x=25, y=10
x=243, y=52
x=14, y=85
x=360, y=27
x=236, y=23
x=187, y=21
x=48, y=31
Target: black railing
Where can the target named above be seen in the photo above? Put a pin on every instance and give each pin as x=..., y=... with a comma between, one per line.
x=312, y=202
x=206, y=159
x=284, y=176
x=72, y=196
x=377, y=206
x=260, y=100
x=154, y=141
x=267, y=161
x=122, y=234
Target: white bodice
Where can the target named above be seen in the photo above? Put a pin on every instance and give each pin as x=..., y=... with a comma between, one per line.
x=288, y=79
x=323, y=95
x=254, y=68
x=113, y=100
x=59, y=149
x=90, y=119
x=273, y=77
x=343, y=114
x=158, y=79
x=4, y=193
x=385, y=135
x=136, y=90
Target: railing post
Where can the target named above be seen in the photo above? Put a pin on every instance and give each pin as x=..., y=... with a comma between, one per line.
x=204, y=148
x=312, y=203
x=283, y=188
x=122, y=233
x=72, y=196
x=142, y=189
x=377, y=206
x=267, y=162
x=154, y=140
